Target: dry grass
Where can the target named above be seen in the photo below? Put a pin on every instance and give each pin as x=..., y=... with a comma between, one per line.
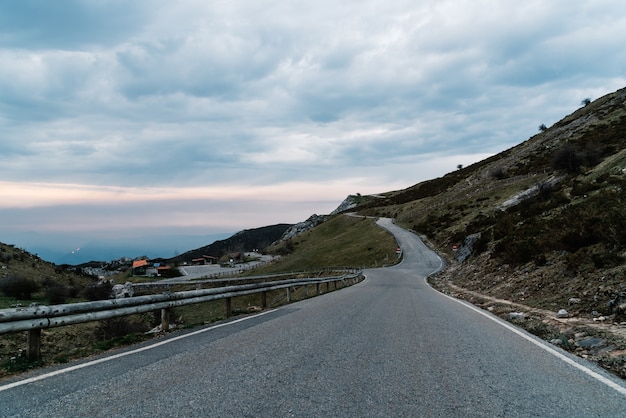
x=338, y=242
x=343, y=241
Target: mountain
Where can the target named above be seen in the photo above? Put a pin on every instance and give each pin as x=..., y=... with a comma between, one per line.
x=76, y=249
x=536, y=233
x=242, y=241
x=539, y=228
x=550, y=209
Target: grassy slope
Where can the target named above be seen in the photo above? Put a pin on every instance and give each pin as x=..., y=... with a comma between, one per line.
x=568, y=242
x=573, y=231
x=562, y=248
x=340, y=241
x=15, y=262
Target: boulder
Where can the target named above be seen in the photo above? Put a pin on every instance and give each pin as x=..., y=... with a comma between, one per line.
x=562, y=314
x=122, y=290
x=516, y=315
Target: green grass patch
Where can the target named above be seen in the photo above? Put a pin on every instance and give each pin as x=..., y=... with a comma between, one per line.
x=20, y=364
x=340, y=241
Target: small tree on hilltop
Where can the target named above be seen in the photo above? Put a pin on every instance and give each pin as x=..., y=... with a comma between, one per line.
x=542, y=127
x=585, y=101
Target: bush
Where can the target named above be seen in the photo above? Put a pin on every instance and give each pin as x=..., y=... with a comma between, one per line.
x=482, y=244
x=499, y=173
x=112, y=328
x=18, y=287
x=57, y=294
x=568, y=158
x=98, y=291
x=517, y=251
x=572, y=159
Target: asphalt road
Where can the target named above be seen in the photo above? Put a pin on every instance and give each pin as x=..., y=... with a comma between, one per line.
x=389, y=346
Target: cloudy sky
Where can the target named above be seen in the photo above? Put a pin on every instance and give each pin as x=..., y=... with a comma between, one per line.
x=120, y=118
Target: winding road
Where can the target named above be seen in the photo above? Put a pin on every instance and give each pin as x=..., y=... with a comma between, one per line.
x=389, y=346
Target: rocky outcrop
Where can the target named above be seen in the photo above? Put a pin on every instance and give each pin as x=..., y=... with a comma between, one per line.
x=313, y=221
x=348, y=203
x=467, y=248
x=120, y=291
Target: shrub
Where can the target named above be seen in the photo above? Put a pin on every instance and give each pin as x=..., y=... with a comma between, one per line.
x=517, y=251
x=57, y=294
x=18, y=287
x=482, y=244
x=112, y=328
x=98, y=291
x=572, y=159
x=568, y=158
x=499, y=173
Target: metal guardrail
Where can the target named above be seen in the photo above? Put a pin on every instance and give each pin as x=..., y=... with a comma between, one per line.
x=34, y=319
x=169, y=283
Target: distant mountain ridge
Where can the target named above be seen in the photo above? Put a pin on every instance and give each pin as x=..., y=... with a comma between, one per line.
x=243, y=241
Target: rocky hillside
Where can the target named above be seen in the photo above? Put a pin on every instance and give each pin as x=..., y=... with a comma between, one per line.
x=541, y=226
x=242, y=241
x=26, y=278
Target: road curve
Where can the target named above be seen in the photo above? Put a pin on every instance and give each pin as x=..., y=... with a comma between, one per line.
x=389, y=346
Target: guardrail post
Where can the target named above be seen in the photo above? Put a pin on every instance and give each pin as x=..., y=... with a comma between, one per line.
x=227, y=303
x=165, y=319
x=33, y=351
x=318, y=289
x=31, y=320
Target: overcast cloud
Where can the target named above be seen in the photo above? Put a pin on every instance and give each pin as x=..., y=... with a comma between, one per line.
x=216, y=116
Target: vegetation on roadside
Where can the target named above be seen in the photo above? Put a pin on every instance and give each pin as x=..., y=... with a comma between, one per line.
x=550, y=211
x=341, y=241
x=540, y=226
x=25, y=278
x=338, y=242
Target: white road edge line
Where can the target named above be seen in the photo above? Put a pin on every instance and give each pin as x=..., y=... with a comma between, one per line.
x=542, y=345
x=127, y=353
